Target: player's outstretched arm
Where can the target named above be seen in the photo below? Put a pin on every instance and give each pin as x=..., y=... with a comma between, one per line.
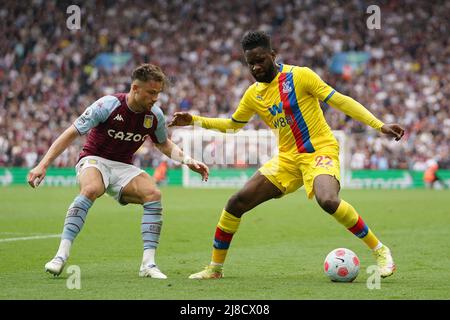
x=318, y=88
x=357, y=111
x=37, y=174
x=223, y=125
x=174, y=152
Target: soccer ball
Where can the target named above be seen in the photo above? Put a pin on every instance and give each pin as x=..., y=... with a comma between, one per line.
x=341, y=265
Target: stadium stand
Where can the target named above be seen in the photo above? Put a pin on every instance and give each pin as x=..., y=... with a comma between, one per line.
x=50, y=74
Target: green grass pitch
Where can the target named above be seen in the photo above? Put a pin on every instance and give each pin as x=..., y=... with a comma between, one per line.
x=277, y=253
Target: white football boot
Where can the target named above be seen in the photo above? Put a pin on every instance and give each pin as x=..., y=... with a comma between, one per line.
x=55, y=266
x=151, y=271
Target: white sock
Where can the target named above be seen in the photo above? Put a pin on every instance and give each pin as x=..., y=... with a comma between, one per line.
x=148, y=257
x=64, y=249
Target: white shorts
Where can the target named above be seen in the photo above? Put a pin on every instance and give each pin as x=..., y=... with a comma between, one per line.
x=116, y=175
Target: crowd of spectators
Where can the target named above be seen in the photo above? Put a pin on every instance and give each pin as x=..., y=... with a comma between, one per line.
x=47, y=75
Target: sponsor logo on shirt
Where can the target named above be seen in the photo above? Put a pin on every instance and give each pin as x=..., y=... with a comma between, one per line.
x=275, y=109
x=126, y=136
x=118, y=118
x=87, y=113
x=81, y=120
x=85, y=116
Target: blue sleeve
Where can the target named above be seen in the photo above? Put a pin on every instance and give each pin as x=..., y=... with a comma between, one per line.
x=96, y=113
x=161, y=130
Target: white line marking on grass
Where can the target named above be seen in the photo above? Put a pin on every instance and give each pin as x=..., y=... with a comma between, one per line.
x=2, y=233
x=31, y=238
x=23, y=233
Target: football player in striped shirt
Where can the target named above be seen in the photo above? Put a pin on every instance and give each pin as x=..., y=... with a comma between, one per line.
x=286, y=98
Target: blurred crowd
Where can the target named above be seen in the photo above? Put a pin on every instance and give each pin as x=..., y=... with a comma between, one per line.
x=47, y=75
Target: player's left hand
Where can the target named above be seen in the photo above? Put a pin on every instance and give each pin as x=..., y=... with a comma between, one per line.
x=36, y=175
x=199, y=167
x=393, y=130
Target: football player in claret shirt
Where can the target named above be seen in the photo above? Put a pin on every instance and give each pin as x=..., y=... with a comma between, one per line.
x=286, y=98
x=117, y=125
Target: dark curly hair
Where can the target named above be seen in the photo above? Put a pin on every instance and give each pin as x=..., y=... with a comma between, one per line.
x=254, y=39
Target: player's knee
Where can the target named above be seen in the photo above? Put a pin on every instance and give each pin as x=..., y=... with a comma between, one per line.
x=328, y=202
x=150, y=194
x=92, y=192
x=238, y=204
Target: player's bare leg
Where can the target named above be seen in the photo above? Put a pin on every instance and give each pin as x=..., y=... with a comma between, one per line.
x=326, y=189
x=143, y=190
x=257, y=190
x=91, y=187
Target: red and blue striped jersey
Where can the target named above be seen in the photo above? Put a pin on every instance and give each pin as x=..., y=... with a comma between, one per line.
x=290, y=106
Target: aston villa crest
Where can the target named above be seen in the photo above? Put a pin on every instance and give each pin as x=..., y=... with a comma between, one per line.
x=148, y=121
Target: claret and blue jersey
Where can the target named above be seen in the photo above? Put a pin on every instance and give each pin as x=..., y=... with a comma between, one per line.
x=115, y=131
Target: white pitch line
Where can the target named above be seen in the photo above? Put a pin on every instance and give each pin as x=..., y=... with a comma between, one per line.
x=23, y=233
x=1, y=233
x=31, y=238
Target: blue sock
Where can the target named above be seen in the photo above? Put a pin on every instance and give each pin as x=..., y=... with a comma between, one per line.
x=151, y=224
x=76, y=215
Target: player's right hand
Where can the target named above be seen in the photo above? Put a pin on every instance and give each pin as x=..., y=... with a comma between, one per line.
x=199, y=167
x=181, y=119
x=35, y=176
